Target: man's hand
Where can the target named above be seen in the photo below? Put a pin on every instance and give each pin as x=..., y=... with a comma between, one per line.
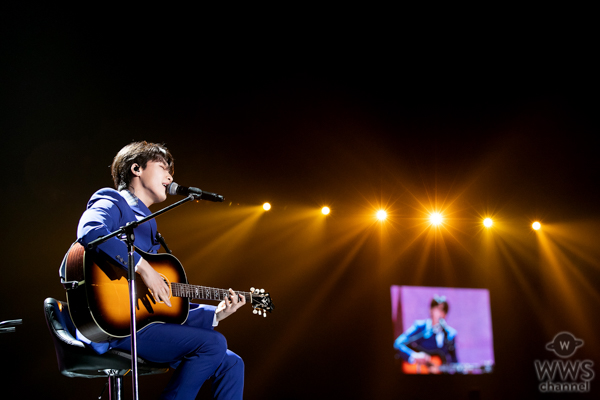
x=229, y=305
x=421, y=358
x=154, y=282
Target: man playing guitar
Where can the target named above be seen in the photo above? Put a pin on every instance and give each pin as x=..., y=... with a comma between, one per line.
x=141, y=172
x=430, y=343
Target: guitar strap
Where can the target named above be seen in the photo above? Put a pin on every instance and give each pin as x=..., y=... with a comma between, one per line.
x=161, y=240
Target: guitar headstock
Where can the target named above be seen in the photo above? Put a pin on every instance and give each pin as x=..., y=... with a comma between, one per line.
x=261, y=302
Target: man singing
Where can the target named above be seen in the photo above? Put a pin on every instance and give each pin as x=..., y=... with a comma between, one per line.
x=141, y=172
x=429, y=337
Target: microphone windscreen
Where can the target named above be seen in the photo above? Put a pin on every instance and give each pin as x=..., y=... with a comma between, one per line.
x=172, y=188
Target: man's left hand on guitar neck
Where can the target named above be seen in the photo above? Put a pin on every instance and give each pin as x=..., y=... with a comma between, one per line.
x=229, y=305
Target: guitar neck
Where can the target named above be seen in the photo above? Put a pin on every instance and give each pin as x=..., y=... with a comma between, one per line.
x=204, y=292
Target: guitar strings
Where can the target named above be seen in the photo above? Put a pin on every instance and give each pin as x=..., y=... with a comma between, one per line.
x=203, y=292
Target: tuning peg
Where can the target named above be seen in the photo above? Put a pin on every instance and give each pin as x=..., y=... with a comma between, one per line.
x=262, y=291
x=252, y=290
x=255, y=311
x=265, y=315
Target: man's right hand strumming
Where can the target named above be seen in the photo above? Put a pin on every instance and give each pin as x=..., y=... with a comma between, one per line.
x=154, y=282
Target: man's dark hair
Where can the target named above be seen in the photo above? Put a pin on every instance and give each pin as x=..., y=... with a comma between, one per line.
x=137, y=153
x=437, y=300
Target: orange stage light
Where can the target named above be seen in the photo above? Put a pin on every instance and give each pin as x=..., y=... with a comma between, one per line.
x=381, y=215
x=436, y=218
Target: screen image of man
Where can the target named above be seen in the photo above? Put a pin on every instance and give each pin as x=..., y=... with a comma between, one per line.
x=428, y=343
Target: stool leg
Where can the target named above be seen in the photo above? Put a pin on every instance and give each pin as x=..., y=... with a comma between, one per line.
x=115, y=387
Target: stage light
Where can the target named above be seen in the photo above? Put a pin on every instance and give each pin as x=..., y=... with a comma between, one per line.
x=488, y=222
x=266, y=206
x=435, y=218
x=381, y=215
x=325, y=210
x=536, y=225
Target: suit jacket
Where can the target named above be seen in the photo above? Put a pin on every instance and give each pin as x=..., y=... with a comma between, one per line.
x=107, y=210
x=421, y=337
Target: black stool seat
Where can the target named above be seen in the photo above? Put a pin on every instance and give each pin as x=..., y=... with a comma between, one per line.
x=75, y=360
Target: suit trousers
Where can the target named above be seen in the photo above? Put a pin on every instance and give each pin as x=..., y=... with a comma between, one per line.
x=196, y=352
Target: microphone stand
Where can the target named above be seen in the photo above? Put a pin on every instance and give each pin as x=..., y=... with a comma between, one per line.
x=126, y=234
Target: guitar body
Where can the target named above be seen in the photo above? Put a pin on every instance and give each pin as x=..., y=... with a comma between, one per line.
x=99, y=306
x=433, y=367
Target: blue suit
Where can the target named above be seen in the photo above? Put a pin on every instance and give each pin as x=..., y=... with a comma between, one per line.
x=421, y=337
x=195, y=349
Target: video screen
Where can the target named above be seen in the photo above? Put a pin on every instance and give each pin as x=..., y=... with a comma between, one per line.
x=442, y=330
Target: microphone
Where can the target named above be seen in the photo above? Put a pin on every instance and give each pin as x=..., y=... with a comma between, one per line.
x=444, y=326
x=174, y=188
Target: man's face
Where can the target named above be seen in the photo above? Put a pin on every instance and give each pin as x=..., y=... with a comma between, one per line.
x=437, y=312
x=154, y=180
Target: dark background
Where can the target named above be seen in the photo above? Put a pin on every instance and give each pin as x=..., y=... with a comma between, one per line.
x=354, y=109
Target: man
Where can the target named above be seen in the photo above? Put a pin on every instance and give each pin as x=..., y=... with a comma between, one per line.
x=141, y=172
x=430, y=337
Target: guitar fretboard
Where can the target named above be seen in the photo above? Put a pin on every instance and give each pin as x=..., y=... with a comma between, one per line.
x=204, y=292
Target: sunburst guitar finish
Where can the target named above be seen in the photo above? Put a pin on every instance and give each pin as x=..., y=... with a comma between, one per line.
x=99, y=305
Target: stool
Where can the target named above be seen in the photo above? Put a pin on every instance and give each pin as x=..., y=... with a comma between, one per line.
x=76, y=360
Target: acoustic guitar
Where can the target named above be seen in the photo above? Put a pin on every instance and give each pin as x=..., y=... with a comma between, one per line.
x=436, y=366
x=98, y=296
